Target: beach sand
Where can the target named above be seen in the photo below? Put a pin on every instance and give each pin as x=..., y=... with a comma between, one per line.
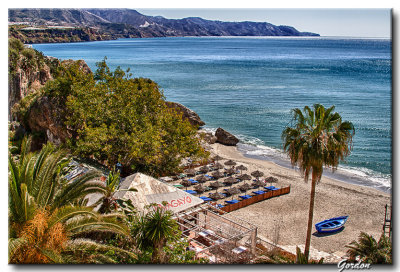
x=283, y=219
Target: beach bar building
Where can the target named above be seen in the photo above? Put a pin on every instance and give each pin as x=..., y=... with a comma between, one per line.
x=211, y=233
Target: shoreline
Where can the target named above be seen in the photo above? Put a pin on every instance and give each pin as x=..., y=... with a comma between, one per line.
x=347, y=174
x=283, y=219
x=340, y=174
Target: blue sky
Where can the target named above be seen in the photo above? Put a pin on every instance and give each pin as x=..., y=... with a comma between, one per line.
x=326, y=22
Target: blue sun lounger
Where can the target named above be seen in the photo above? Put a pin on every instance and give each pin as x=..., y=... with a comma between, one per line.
x=245, y=196
x=260, y=192
x=191, y=192
x=271, y=188
x=206, y=198
x=193, y=181
x=232, y=201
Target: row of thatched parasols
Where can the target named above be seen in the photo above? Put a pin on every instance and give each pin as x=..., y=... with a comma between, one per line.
x=229, y=180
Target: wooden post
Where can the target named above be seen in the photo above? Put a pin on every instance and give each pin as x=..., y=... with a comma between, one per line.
x=253, y=241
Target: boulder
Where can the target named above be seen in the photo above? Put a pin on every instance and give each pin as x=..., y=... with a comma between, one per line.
x=209, y=138
x=187, y=113
x=225, y=138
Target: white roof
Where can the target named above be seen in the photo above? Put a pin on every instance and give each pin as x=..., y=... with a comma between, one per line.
x=151, y=190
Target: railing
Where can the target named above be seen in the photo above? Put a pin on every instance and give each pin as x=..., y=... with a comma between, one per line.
x=255, y=199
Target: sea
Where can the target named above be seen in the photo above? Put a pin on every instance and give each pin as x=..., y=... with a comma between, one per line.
x=249, y=85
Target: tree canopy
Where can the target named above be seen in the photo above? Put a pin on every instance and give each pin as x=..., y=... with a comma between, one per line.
x=117, y=118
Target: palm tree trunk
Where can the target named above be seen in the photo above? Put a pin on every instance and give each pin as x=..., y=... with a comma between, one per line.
x=310, y=215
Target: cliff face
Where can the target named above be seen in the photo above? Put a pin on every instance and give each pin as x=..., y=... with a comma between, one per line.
x=24, y=82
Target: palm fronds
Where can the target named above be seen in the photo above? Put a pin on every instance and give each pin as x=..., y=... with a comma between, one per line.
x=368, y=250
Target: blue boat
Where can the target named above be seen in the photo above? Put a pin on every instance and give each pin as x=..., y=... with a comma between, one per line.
x=331, y=225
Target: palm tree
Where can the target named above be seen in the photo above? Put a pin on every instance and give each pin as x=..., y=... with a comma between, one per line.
x=319, y=138
x=44, y=210
x=153, y=230
x=368, y=250
x=108, y=203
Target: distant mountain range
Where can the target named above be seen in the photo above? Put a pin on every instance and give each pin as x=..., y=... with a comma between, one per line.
x=128, y=23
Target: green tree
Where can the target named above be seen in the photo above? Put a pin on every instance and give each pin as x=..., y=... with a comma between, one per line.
x=44, y=212
x=368, y=250
x=318, y=138
x=116, y=118
x=153, y=230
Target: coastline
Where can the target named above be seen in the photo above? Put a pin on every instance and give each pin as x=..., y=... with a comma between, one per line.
x=253, y=148
x=284, y=219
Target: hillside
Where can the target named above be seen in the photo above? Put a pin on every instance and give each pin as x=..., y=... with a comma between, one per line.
x=105, y=24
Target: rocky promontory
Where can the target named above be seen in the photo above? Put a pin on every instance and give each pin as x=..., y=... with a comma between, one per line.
x=187, y=113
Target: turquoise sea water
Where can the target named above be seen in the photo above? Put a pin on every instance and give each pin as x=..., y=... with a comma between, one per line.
x=249, y=85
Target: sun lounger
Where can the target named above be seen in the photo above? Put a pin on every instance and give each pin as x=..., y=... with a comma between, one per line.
x=220, y=206
x=206, y=198
x=232, y=201
x=193, y=181
x=260, y=192
x=271, y=188
x=178, y=185
x=245, y=196
x=191, y=192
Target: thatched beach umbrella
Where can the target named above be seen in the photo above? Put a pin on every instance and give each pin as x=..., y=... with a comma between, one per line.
x=201, y=179
x=230, y=162
x=230, y=171
x=217, y=158
x=271, y=179
x=200, y=188
x=216, y=185
x=217, y=174
x=218, y=166
x=204, y=169
x=245, y=187
x=244, y=177
x=233, y=191
x=241, y=168
x=230, y=180
x=258, y=183
x=257, y=174
x=216, y=196
x=190, y=172
x=186, y=183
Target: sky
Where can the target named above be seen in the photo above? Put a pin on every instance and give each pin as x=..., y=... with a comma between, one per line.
x=326, y=22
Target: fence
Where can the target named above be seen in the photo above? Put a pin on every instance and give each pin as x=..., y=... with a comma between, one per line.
x=256, y=198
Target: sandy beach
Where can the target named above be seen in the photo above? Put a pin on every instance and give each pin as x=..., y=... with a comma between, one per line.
x=283, y=219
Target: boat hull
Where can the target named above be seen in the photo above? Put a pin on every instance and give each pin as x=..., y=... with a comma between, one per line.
x=331, y=225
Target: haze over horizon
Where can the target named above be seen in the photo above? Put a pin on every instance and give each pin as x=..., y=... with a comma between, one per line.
x=369, y=23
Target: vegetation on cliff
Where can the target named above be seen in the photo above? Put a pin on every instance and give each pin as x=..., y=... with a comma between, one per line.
x=112, y=117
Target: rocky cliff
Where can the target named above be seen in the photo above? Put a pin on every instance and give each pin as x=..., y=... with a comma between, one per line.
x=28, y=71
